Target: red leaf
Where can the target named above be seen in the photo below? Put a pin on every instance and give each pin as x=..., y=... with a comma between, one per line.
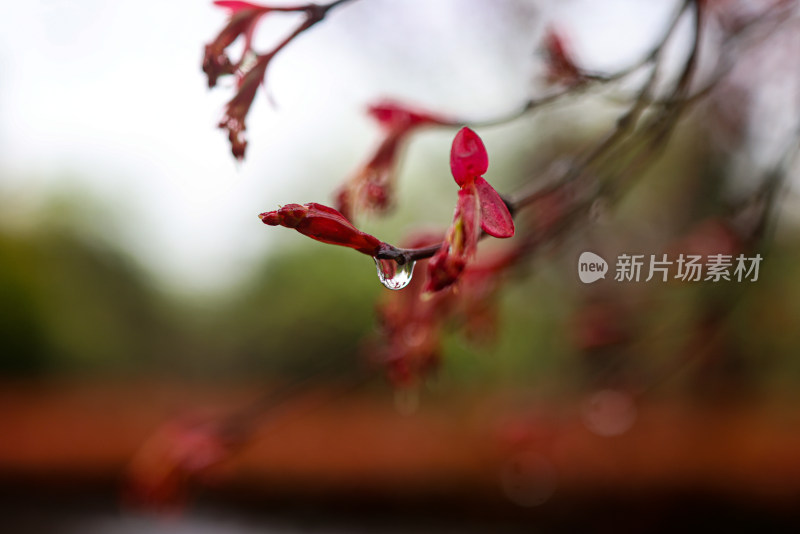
x=243, y=20
x=460, y=244
x=372, y=187
x=180, y=453
x=496, y=220
x=238, y=106
x=468, y=157
x=398, y=117
x=235, y=6
x=560, y=63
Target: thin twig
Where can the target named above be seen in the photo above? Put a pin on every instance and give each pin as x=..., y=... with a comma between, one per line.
x=588, y=80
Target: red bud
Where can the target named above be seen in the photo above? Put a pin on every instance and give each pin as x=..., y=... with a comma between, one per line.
x=323, y=224
x=468, y=157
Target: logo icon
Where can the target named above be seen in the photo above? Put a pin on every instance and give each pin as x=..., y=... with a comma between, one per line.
x=591, y=267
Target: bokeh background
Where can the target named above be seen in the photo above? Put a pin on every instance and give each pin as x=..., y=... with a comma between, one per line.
x=137, y=285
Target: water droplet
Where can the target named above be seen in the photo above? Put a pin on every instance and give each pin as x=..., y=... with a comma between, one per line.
x=609, y=412
x=393, y=275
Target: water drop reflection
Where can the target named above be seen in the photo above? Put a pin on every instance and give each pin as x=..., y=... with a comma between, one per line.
x=393, y=275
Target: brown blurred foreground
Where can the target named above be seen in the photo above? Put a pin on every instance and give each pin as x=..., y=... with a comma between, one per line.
x=475, y=456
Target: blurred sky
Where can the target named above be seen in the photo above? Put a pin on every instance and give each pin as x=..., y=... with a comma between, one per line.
x=106, y=100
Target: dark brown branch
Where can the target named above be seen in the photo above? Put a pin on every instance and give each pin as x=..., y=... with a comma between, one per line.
x=317, y=8
x=406, y=255
x=627, y=122
x=314, y=13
